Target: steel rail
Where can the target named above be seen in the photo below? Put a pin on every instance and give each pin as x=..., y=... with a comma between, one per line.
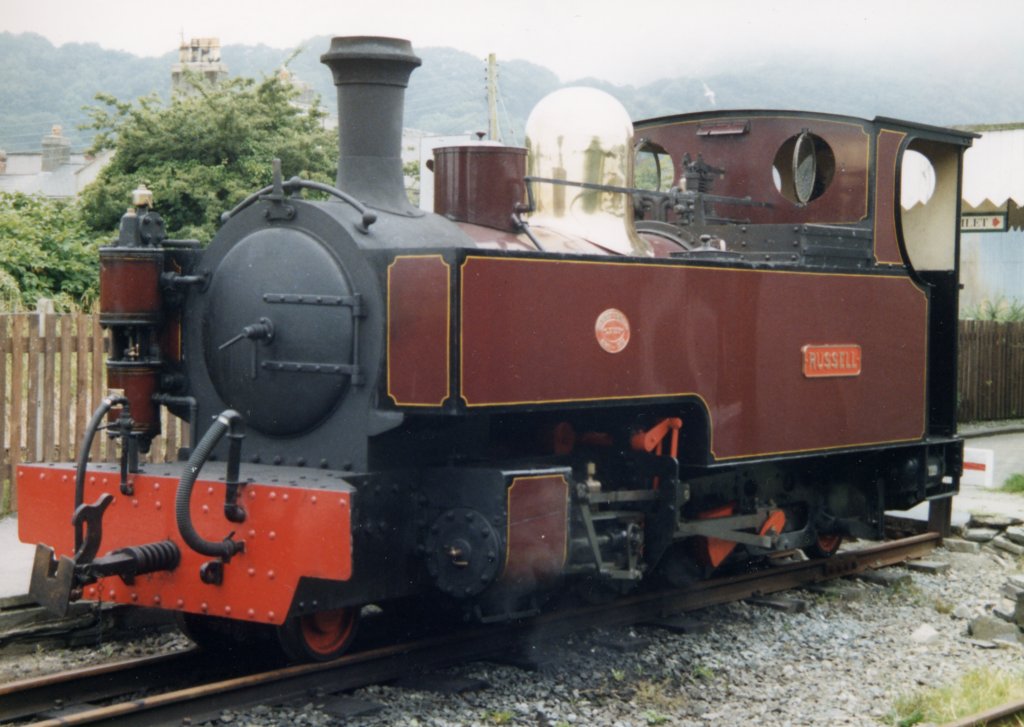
x=480, y=642
x=27, y=697
x=990, y=716
x=703, y=594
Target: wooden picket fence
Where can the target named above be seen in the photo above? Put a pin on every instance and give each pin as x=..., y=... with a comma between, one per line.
x=53, y=374
x=991, y=371
x=52, y=368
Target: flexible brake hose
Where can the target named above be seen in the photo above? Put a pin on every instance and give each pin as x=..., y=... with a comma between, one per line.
x=228, y=420
x=83, y=456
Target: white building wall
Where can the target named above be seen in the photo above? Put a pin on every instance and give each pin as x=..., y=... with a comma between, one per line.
x=991, y=268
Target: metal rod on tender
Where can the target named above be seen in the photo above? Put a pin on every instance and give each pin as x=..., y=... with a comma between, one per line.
x=228, y=421
x=368, y=216
x=193, y=410
x=745, y=201
x=517, y=215
x=83, y=456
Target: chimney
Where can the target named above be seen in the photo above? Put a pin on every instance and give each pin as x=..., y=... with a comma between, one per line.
x=200, y=56
x=56, y=150
x=371, y=75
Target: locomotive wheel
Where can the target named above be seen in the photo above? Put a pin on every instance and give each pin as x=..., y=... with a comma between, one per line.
x=678, y=568
x=227, y=636
x=825, y=546
x=320, y=636
x=599, y=591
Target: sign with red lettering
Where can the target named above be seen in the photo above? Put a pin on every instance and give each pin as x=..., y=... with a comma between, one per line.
x=987, y=222
x=834, y=359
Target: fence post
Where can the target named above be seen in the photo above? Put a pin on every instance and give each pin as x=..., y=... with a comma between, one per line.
x=64, y=409
x=49, y=411
x=16, y=413
x=6, y=475
x=34, y=403
x=81, y=380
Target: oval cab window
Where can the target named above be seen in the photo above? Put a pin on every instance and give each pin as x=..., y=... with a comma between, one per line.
x=803, y=167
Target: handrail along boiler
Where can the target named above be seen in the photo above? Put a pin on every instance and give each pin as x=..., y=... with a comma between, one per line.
x=574, y=373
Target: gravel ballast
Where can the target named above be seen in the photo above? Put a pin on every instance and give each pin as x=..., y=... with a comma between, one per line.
x=842, y=661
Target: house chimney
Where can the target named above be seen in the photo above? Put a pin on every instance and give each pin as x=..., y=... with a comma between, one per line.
x=371, y=75
x=56, y=150
x=200, y=56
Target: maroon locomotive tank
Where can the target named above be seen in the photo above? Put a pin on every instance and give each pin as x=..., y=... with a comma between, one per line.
x=733, y=339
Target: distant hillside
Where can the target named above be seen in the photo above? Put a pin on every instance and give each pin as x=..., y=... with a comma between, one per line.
x=42, y=85
x=446, y=95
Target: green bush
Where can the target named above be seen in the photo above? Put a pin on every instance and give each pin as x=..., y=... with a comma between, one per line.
x=204, y=152
x=1013, y=483
x=46, y=251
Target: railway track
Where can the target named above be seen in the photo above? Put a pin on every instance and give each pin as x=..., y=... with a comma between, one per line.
x=201, y=700
x=25, y=625
x=1003, y=714
x=55, y=693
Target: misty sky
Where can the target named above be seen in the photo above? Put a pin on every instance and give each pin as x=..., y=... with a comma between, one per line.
x=617, y=41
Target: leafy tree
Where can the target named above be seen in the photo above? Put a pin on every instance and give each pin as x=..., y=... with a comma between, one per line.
x=46, y=251
x=204, y=151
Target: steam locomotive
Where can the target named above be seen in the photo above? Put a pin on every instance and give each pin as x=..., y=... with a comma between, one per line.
x=573, y=373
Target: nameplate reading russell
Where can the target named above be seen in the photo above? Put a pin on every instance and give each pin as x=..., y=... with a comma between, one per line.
x=838, y=359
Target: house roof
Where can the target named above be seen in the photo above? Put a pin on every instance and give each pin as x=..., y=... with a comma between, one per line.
x=24, y=174
x=58, y=183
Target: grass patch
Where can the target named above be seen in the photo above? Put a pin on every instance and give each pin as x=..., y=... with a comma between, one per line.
x=909, y=593
x=974, y=692
x=700, y=671
x=659, y=699
x=1014, y=483
x=1001, y=309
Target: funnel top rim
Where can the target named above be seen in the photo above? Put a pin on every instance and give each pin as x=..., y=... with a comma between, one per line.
x=370, y=47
